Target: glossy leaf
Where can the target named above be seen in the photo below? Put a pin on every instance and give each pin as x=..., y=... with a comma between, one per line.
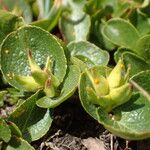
x=14, y=52
x=136, y=62
x=33, y=125
x=19, y=144
x=121, y=33
x=5, y=133
x=87, y=52
x=68, y=88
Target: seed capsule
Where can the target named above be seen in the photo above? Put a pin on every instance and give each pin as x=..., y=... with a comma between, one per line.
x=49, y=89
x=27, y=82
x=117, y=75
x=112, y=91
x=99, y=84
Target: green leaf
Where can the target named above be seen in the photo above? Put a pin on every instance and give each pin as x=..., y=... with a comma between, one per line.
x=19, y=144
x=136, y=62
x=68, y=88
x=121, y=32
x=142, y=48
x=8, y=23
x=75, y=25
x=40, y=43
x=103, y=41
x=87, y=52
x=33, y=125
x=5, y=133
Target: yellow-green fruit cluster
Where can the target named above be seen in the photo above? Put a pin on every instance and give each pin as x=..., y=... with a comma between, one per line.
x=40, y=78
x=112, y=90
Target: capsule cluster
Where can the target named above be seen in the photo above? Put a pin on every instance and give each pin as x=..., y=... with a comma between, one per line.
x=111, y=90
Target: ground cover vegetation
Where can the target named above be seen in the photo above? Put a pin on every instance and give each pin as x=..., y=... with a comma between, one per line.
x=93, y=51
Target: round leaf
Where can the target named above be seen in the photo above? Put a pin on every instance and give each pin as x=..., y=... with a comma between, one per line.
x=121, y=32
x=88, y=53
x=15, y=49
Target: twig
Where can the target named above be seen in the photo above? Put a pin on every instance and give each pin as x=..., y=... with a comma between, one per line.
x=111, y=142
x=142, y=91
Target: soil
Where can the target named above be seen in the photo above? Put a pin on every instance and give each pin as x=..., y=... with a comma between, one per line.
x=74, y=129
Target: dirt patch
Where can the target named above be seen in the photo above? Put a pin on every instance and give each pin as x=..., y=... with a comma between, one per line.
x=74, y=129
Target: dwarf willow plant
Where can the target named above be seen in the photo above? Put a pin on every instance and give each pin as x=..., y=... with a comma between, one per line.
x=40, y=71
